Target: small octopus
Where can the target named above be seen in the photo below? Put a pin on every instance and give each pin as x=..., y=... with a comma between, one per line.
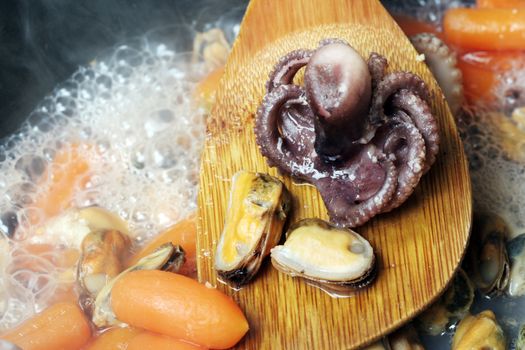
x=363, y=137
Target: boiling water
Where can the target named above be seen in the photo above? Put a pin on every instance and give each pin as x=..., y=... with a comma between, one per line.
x=132, y=118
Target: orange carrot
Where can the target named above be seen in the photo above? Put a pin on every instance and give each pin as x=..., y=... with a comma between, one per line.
x=179, y=307
x=412, y=26
x=482, y=72
x=114, y=338
x=152, y=341
x=512, y=4
x=62, y=326
x=68, y=170
x=207, y=88
x=485, y=29
x=183, y=233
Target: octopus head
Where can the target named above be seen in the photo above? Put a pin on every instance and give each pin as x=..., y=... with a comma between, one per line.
x=338, y=88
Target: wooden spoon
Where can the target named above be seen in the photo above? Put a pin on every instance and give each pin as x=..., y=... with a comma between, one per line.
x=419, y=245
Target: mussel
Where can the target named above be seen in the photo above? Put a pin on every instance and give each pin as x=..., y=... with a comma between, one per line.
x=167, y=257
x=479, y=332
x=258, y=209
x=452, y=306
x=337, y=260
x=101, y=259
x=488, y=261
x=516, y=252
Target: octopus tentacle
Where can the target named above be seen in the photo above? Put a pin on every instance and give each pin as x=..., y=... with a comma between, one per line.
x=377, y=66
x=442, y=62
x=391, y=84
x=352, y=203
x=423, y=119
x=273, y=146
x=287, y=67
x=401, y=141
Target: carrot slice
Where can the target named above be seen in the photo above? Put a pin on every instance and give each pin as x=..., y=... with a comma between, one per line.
x=152, y=341
x=485, y=29
x=177, y=306
x=183, y=233
x=482, y=72
x=114, y=338
x=509, y=4
x=412, y=26
x=61, y=326
x=67, y=171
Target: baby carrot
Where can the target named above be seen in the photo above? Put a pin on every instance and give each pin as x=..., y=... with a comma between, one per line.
x=62, y=326
x=179, y=307
x=67, y=170
x=412, y=26
x=114, y=338
x=152, y=341
x=482, y=72
x=485, y=29
x=510, y=4
x=183, y=233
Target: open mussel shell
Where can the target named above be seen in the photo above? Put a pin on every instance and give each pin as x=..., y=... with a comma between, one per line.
x=337, y=260
x=516, y=252
x=480, y=331
x=258, y=209
x=452, y=306
x=488, y=261
x=167, y=257
x=101, y=259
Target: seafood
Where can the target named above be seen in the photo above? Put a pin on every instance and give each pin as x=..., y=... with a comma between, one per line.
x=101, y=259
x=335, y=133
x=336, y=260
x=166, y=257
x=516, y=252
x=258, y=209
x=73, y=225
x=442, y=62
x=452, y=306
x=488, y=260
x=479, y=332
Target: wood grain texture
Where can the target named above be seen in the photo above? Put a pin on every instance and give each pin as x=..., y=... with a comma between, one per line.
x=419, y=245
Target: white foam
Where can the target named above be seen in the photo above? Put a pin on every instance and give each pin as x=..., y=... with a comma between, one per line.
x=135, y=109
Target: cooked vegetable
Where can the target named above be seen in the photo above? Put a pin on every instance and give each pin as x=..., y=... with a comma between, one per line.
x=167, y=257
x=62, y=326
x=482, y=72
x=184, y=234
x=512, y=4
x=179, y=307
x=114, y=338
x=485, y=28
x=152, y=341
x=258, y=208
x=68, y=171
